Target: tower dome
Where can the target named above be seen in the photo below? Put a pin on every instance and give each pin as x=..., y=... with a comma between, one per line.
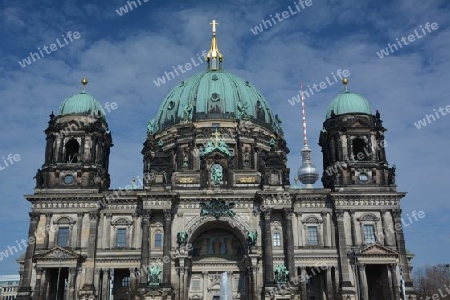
x=348, y=103
x=214, y=94
x=81, y=104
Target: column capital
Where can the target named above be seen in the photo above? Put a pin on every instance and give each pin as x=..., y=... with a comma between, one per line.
x=39, y=271
x=145, y=214
x=167, y=215
x=397, y=213
x=48, y=214
x=352, y=212
x=383, y=212
x=362, y=267
x=93, y=215
x=73, y=271
x=80, y=214
x=34, y=216
x=340, y=213
x=205, y=273
x=267, y=213
x=288, y=212
x=324, y=213
x=108, y=215
x=97, y=271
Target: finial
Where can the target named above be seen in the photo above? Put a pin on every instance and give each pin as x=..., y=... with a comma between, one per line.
x=345, y=82
x=214, y=23
x=214, y=57
x=84, y=82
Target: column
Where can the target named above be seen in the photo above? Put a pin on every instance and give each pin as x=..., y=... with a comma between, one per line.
x=48, y=218
x=88, y=287
x=25, y=289
x=325, y=229
x=332, y=232
x=289, y=242
x=303, y=283
x=330, y=292
x=105, y=284
x=205, y=284
x=134, y=233
x=107, y=224
x=37, y=287
x=395, y=281
x=400, y=238
x=71, y=283
x=300, y=229
x=353, y=224
x=80, y=216
x=390, y=285
x=363, y=282
x=388, y=228
x=97, y=280
x=268, y=254
x=145, y=247
x=186, y=281
x=343, y=249
x=181, y=282
x=167, y=267
x=134, y=281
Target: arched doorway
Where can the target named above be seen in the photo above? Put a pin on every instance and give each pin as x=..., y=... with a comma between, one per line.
x=217, y=248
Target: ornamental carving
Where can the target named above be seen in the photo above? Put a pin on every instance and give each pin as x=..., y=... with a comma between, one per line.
x=217, y=208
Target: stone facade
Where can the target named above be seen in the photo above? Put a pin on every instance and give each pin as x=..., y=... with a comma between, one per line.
x=191, y=225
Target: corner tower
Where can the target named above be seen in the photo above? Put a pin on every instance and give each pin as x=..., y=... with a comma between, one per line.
x=353, y=145
x=78, y=146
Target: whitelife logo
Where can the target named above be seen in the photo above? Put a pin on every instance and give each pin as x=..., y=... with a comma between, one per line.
x=411, y=38
x=53, y=47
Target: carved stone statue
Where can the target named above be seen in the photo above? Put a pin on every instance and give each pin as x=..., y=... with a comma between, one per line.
x=281, y=274
x=216, y=174
x=187, y=111
x=182, y=237
x=242, y=111
x=154, y=275
x=151, y=126
x=252, y=237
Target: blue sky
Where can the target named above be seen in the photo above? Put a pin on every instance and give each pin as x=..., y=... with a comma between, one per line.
x=123, y=55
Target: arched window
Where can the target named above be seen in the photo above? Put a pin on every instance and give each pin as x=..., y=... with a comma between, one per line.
x=360, y=150
x=72, y=148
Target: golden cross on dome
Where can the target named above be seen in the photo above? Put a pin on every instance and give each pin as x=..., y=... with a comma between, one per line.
x=216, y=134
x=214, y=23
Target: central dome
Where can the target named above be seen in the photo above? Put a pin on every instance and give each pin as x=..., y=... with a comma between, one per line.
x=214, y=95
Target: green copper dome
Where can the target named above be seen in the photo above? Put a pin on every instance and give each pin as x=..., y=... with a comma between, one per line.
x=214, y=95
x=348, y=103
x=81, y=104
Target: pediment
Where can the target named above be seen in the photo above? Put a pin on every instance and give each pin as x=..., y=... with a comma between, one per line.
x=377, y=249
x=58, y=253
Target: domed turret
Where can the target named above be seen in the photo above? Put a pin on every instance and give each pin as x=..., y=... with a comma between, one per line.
x=81, y=104
x=348, y=103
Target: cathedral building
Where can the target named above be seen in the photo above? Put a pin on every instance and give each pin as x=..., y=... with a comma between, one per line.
x=214, y=208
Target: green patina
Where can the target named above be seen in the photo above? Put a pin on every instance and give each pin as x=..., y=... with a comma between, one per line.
x=212, y=94
x=81, y=104
x=348, y=103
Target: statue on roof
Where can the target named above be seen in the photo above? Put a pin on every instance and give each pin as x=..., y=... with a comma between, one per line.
x=242, y=111
x=187, y=111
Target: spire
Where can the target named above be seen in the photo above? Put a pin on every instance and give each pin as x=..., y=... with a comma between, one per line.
x=214, y=57
x=307, y=173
